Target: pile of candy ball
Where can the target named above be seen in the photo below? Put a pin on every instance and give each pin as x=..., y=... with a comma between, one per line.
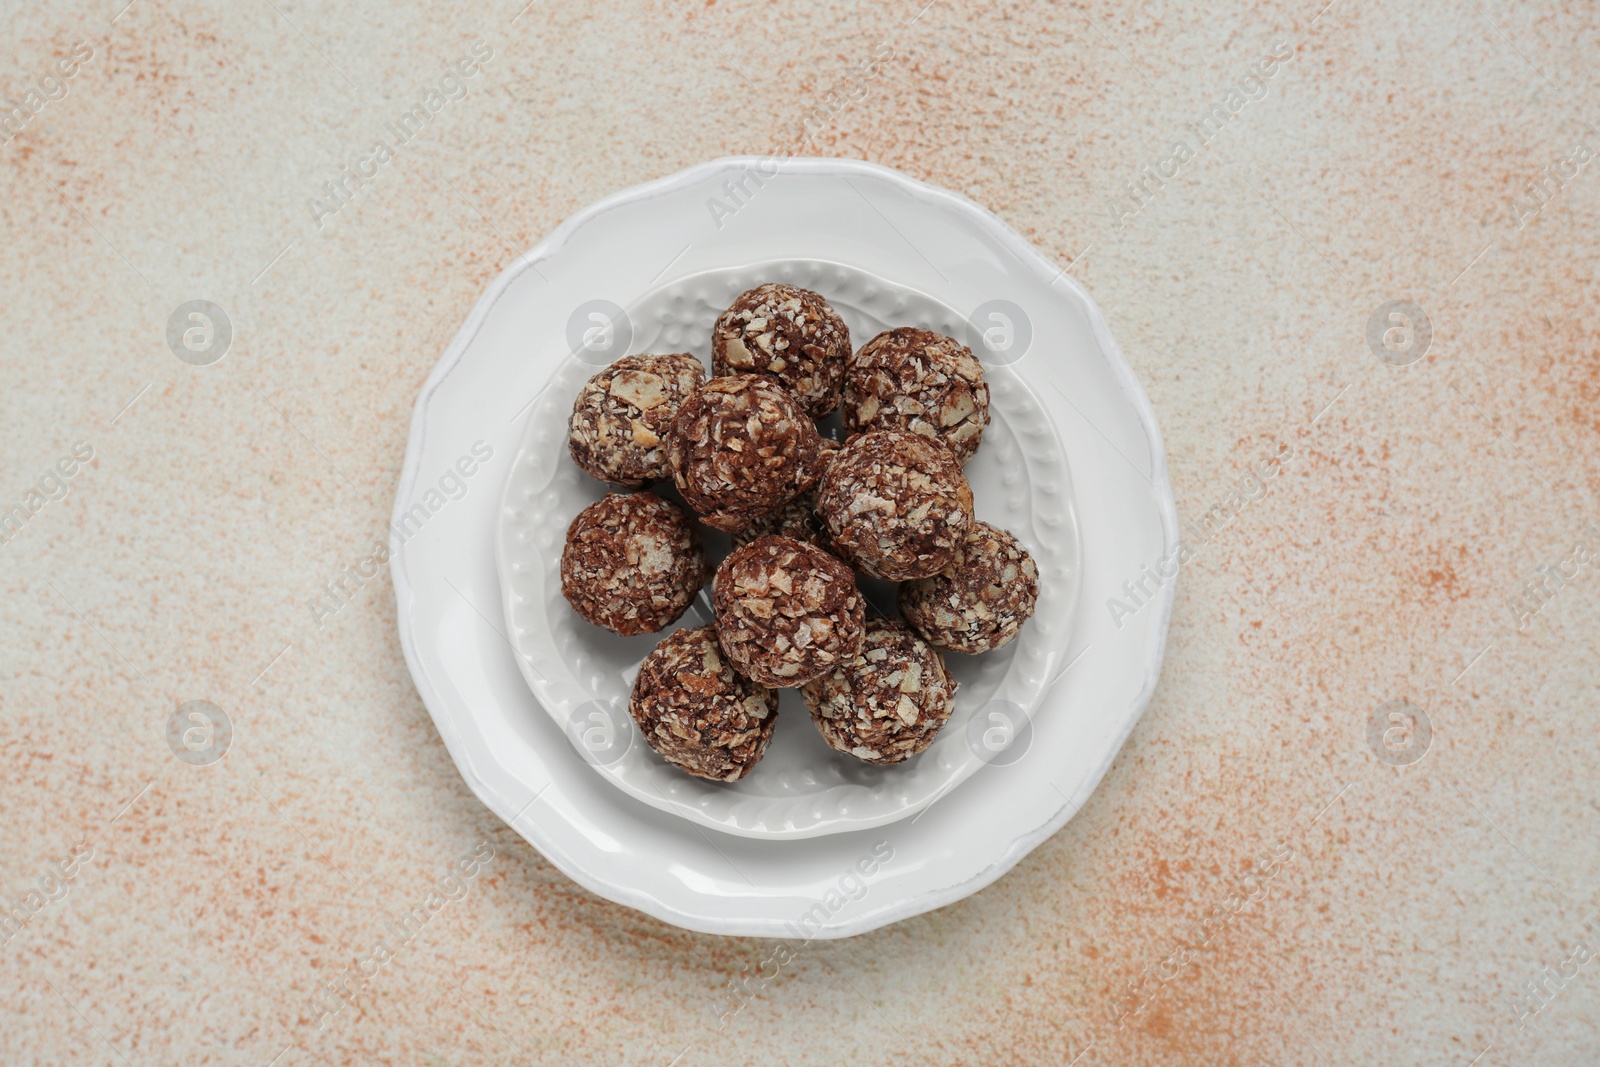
x=805, y=513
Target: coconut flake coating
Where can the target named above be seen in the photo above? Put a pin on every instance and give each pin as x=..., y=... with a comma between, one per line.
x=632, y=563
x=888, y=701
x=798, y=518
x=827, y=451
x=980, y=603
x=896, y=505
x=740, y=448
x=697, y=713
x=918, y=380
x=619, y=421
x=789, y=333
x=786, y=611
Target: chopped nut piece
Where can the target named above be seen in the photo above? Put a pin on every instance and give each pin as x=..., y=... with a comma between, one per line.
x=640, y=388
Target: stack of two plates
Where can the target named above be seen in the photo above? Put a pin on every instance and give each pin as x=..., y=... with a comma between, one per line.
x=532, y=702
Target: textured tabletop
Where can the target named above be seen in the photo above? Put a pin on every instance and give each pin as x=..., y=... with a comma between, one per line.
x=1348, y=249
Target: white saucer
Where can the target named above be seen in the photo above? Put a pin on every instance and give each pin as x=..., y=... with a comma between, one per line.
x=583, y=675
x=469, y=416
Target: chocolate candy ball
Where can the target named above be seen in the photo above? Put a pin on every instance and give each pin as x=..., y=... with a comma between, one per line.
x=789, y=333
x=888, y=701
x=740, y=449
x=896, y=505
x=632, y=563
x=918, y=380
x=697, y=712
x=786, y=611
x=619, y=421
x=982, y=600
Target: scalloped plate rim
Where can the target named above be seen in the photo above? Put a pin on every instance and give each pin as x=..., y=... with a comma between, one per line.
x=639, y=898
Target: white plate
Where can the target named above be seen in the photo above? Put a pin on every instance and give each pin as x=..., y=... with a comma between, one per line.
x=582, y=674
x=469, y=418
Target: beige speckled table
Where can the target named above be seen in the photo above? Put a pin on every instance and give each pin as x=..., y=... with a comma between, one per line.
x=1428, y=539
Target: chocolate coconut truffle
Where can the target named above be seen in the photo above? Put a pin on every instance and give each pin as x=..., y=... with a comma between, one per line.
x=896, y=505
x=791, y=334
x=740, y=449
x=697, y=712
x=918, y=380
x=888, y=701
x=786, y=611
x=619, y=422
x=982, y=600
x=632, y=563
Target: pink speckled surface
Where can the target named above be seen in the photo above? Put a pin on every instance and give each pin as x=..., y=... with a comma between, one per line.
x=1418, y=907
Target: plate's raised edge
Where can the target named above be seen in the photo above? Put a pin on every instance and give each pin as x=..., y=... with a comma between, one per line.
x=1027, y=253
